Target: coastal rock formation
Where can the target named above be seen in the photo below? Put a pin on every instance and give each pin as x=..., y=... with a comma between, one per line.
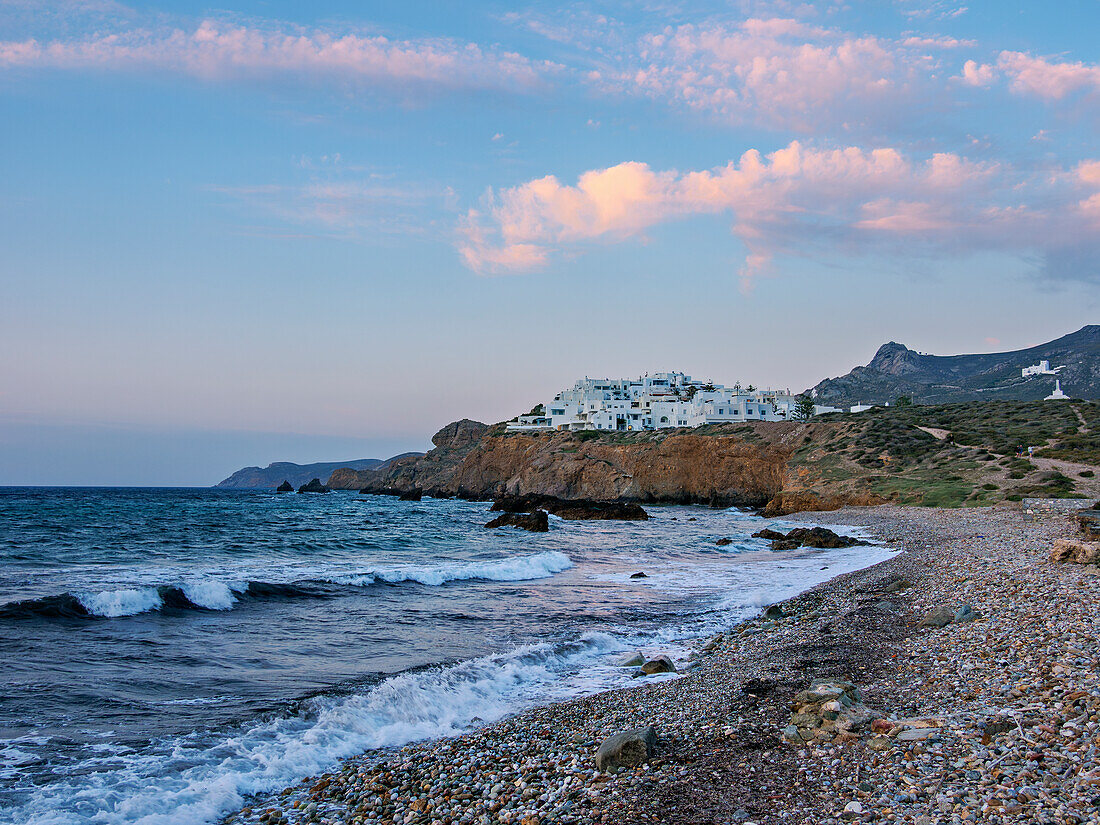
x=285, y=487
x=576, y=510
x=627, y=749
x=535, y=522
x=476, y=461
x=314, y=486
x=818, y=537
x=416, y=494
x=658, y=664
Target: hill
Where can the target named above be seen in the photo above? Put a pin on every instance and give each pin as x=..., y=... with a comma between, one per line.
x=939, y=455
x=260, y=478
x=897, y=370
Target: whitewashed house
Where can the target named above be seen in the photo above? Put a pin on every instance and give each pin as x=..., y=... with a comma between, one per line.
x=665, y=399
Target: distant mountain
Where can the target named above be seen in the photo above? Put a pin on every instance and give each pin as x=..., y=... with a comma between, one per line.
x=271, y=476
x=941, y=379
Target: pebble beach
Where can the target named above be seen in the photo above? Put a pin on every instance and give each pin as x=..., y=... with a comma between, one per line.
x=965, y=683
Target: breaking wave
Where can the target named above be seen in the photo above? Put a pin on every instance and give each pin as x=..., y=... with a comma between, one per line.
x=190, y=782
x=211, y=594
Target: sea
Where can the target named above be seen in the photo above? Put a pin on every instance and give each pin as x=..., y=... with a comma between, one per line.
x=168, y=655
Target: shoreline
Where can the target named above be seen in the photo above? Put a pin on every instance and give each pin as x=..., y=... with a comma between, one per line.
x=721, y=756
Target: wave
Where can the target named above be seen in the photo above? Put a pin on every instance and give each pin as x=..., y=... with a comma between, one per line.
x=189, y=781
x=211, y=594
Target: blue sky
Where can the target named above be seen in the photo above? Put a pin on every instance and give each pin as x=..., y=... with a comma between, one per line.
x=233, y=236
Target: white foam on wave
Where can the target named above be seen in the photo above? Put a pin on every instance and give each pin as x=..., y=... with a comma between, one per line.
x=123, y=602
x=522, y=568
x=187, y=781
x=213, y=595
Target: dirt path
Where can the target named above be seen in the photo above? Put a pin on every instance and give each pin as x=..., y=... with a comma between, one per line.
x=1086, y=486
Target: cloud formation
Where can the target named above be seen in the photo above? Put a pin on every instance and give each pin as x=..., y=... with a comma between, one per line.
x=781, y=72
x=217, y=51
x=796, y=200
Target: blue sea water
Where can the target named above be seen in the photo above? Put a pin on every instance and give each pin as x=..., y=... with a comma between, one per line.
x=168, y=653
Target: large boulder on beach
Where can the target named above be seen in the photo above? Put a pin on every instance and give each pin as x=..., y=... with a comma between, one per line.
x=536, y=522
x=314, y=486
x=769, y=534
x=1076, y=552
x=627, y=749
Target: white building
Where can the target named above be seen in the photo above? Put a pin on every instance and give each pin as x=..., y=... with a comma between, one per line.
x=1042, y=368
x=665, y=399
x=1057, y=395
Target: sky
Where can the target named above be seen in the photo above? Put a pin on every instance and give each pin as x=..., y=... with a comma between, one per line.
x=305, y=232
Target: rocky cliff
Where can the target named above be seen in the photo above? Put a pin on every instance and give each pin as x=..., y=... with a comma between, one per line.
x=473, y=460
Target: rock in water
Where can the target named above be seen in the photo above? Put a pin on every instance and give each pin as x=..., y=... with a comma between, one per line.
x=724, y=542
x=412, y=495
x=285, y=487
x=536, y=522
x=658, y=664
x=627, y=749
x=315, y=486
x=639, y=575
x=770, y=535
x=634, y=659
x=572, y=509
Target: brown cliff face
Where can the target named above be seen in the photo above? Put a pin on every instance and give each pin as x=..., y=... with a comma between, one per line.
x=669, y=466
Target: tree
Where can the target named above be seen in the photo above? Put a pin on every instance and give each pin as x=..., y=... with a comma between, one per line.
x=804, y=407
x=750, y=388
x=691, y=392
x=903, y=401
x=708, y=387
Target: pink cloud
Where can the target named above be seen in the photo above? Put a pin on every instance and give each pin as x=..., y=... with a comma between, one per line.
x=1047, y=79
x=222, y=51
x=780, y=72
x=792, y=201
x=977, y=74
x=937, y=43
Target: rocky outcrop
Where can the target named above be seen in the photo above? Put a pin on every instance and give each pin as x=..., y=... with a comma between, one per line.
x=627, y=749
x=473, y=460
x=536, y=522
x=313, y=486
x=821, y=538
x=786, y=502
x=415, y=494
x=578, y=510
x=285, y=487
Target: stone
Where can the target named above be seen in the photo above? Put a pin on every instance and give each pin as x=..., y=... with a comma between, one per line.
x=940, y=616
x=773, y=611
x=627, y=749
x=415, y=494
x=535, y=522
x=314, y=486
x=1076, y=552
x=770, y=535
x=914, y=734
x=571, y=509
x=658, y=664
x=724, y=542
x=285, y=487
x=639, y=575
x=966, y=613
x=635, y=659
